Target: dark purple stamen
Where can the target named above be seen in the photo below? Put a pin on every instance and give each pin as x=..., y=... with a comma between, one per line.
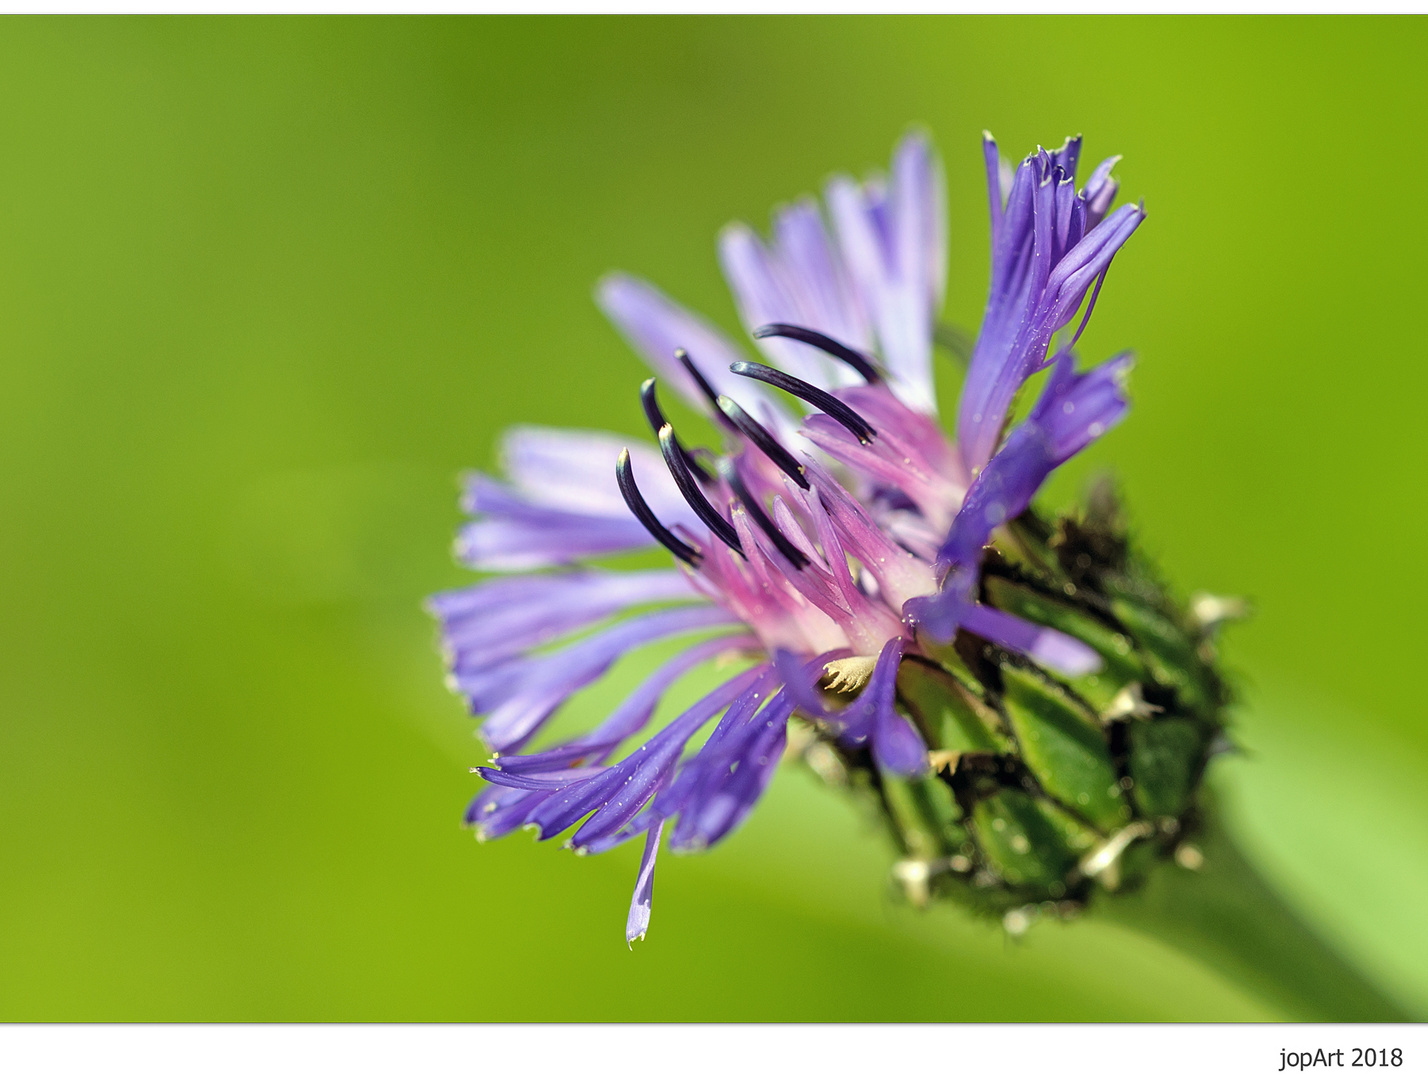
x=759, y=435
x=625, y=477
x=819, y=399
x=692, y=495
x=852, y=357
x=698, y=376
x=756, y=511
x=655, y=415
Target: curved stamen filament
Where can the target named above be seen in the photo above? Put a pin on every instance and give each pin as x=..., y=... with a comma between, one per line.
x=852, y=357
x=759, y=435
x=655, y=415
x=625, y=477
x=698, y=376
x=819, y=399
x=684, y=479
x=755, y=511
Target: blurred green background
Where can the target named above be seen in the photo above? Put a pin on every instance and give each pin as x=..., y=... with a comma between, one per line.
x=267, y=286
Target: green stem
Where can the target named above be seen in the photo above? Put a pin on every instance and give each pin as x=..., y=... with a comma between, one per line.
x=1226, y=916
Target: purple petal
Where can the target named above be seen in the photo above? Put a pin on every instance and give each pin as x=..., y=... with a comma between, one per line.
x=1044, y=261
x=1073, y=411
x=871, y=717
x=645, y=773
x=506, y=616
x=638, y=922
x=632, y=714
x=565, y=808
x=496, y=811
x=515, y=534
x=735, y=775
x=574, y=471
x=655, y=326
x=1048, y=647
x=521, y=694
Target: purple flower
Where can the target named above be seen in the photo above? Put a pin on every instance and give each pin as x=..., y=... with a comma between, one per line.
x=813, y=554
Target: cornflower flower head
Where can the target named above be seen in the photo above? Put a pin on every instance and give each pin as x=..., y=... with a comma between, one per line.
x=1021, y=702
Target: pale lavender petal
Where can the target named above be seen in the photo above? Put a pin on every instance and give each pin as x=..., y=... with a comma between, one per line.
x=502, y=617
x=521, y=694
x=655, y=326
x=511, y=533
x=894, y=245
x=574, y=471
x=638, y=922
x=827, y=294
x=765, y=294
x=918, y=196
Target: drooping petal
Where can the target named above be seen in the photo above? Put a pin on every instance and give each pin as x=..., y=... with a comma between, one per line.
x=729, y=775
x=638, y=922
